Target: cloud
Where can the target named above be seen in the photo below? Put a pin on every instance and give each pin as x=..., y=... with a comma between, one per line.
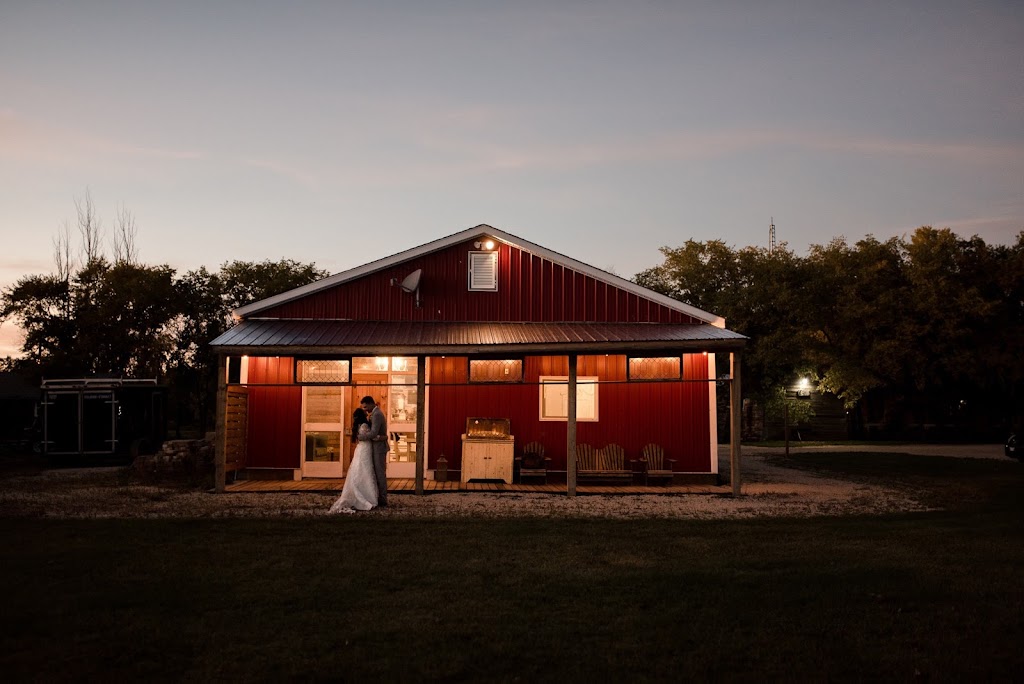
x=293, y=173
x=977, y=153
x=447, y=153
x=25, y=265
x=727, y=143
x=13, y=270
x=1001, y=223
x=26, y=141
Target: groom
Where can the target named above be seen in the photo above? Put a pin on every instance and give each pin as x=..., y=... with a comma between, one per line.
x=379, y=444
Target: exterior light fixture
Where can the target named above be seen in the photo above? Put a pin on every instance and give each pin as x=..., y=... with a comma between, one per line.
x=484, y=244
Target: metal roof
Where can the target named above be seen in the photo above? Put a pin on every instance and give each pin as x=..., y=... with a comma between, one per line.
x=277, y=336
x=482, y=230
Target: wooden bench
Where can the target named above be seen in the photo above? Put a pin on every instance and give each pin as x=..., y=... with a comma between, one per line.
x=608, y=464
x=532, y=462
x=654, y=465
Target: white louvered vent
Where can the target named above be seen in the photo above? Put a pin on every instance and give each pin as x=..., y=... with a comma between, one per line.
x=483, y=271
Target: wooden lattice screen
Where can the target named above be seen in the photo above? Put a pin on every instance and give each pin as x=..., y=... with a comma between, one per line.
x=236, y=417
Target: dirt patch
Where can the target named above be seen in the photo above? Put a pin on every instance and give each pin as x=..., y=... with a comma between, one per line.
x=768, y=490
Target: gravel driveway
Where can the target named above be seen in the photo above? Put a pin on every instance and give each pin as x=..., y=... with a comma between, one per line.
x=768, y=490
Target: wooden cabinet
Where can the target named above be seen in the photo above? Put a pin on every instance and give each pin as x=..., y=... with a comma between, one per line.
x=487, y=459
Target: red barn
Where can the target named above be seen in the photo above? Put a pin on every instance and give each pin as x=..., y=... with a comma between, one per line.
x=480, y=324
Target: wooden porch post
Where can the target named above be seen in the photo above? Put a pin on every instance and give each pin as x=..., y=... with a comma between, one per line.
x=421, y=393
x=570, y=440
x=220, y=447
x=735, y=428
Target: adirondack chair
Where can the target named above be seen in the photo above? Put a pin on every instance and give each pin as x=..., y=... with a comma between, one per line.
x=532, y=462
x=654, y=464
x=603, y=464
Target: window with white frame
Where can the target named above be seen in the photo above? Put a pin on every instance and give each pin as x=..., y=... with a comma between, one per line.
x=483, y=271
x=554, y=398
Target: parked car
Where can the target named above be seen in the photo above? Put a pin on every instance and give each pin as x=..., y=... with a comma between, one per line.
x=1010, y=448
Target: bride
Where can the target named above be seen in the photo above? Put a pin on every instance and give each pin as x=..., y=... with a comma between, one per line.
x=360, y=491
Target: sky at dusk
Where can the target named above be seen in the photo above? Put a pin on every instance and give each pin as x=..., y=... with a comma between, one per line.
x=343, y=132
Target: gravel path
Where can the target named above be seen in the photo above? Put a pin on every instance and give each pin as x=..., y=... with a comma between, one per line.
x=986, y=451
x=768, y=490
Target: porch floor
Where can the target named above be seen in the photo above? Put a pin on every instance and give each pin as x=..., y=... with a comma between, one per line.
x=408, y=486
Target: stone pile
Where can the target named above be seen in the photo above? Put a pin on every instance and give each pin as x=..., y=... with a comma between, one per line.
x=176, y=458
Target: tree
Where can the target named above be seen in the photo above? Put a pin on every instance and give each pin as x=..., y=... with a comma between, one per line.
x=207, y=302
x=245, y=282
x=90, y=228
x=702, y=274
x=926, y=329
x=120, y=317
x=759, y=293
x=39, y=304
x=123, y=241
x=125, y=315
x=857, y=295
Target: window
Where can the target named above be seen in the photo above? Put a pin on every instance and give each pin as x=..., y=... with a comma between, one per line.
x=234, y=370
x=654, y=368
x=554, y=398
x=322, y=371
x=382, y=364
x=483, y=271
x=496, y=370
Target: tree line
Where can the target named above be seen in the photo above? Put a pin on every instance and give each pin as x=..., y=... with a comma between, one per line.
x=102, y=313
x=925, y=330
x=928, y=329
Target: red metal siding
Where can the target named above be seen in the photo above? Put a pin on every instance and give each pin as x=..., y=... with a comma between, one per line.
x=275, y=413
x=674, y=415
x=631, y=414
x=530, y=288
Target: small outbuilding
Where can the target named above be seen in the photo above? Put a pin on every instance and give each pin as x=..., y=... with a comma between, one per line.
x=480, y=328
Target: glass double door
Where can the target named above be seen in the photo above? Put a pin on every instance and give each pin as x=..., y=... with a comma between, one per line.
x=327, y=418
x=327, y=424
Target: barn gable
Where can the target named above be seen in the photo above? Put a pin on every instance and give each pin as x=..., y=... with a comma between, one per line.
x=529, y=284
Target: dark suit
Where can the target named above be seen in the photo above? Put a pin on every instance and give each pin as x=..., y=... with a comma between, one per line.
x=379, y=435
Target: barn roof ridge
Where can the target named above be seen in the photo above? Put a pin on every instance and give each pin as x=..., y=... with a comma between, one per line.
x=454, y=239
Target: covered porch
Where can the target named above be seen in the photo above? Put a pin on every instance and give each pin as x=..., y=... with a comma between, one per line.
x=408, y=486
x=455, y=372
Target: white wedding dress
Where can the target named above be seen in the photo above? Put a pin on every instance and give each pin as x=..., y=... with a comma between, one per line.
x=360, y=490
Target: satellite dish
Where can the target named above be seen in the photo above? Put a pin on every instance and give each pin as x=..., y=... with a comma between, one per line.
x=411, y=284
x=412, y=281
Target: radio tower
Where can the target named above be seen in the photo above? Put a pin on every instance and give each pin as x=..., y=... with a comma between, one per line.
x=771, y=236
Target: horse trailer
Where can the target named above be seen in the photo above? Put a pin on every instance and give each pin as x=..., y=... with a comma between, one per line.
x=102, y=418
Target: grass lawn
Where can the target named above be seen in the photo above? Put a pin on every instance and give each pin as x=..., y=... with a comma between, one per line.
x=936, y=596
